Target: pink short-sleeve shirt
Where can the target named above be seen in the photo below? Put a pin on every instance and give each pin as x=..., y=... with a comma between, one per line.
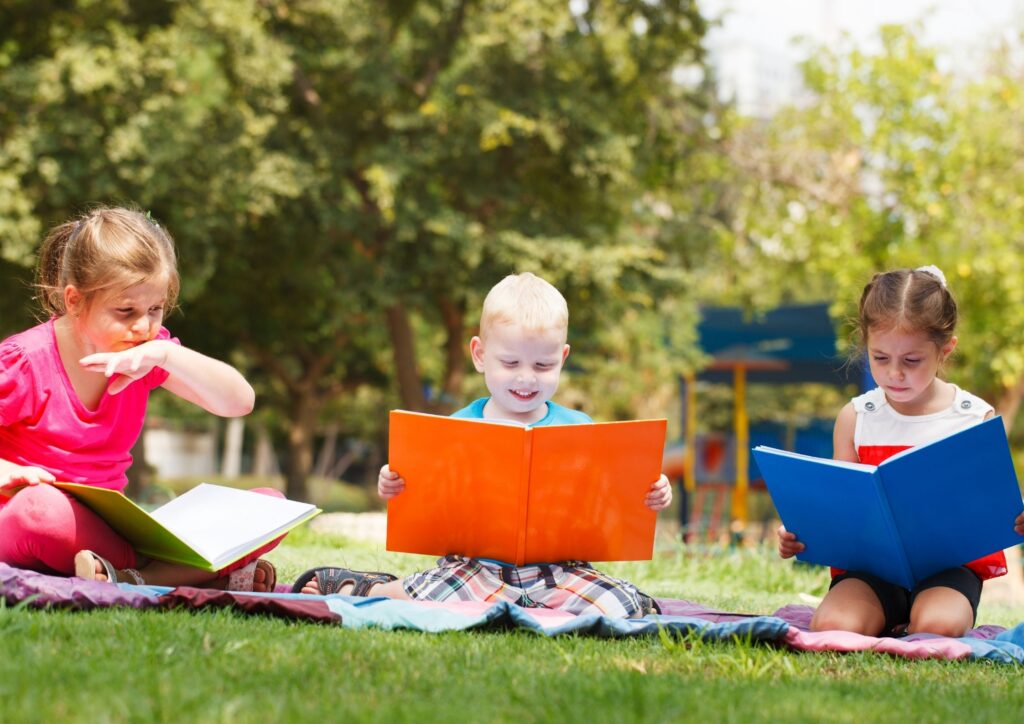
x=43, y=422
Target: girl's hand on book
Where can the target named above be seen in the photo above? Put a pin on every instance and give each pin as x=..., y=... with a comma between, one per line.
x=659, y=496
x=1018, y=525
x=789, y=546
x=25, y=475
x=389, y=483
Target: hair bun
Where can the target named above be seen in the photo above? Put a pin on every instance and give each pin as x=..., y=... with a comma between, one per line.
x=935, y=272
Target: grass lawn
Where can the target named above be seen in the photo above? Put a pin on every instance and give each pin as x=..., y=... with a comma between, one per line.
x=120, y=665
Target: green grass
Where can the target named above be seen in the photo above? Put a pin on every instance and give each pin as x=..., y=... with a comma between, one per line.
x=121, y=665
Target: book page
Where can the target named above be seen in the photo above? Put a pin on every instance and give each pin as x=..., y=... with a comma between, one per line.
x=220, y=522
x=822, y=461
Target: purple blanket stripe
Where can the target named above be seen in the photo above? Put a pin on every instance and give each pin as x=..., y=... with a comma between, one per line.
x=39, y=589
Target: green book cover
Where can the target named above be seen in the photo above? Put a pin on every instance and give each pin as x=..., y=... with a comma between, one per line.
x=209, y=527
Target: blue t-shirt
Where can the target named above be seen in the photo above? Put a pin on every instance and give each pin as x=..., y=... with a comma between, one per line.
x=557, y=415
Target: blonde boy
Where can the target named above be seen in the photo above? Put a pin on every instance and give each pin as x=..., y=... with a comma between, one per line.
x=520, y=352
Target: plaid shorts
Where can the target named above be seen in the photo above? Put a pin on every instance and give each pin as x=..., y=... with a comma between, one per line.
x=571, y=586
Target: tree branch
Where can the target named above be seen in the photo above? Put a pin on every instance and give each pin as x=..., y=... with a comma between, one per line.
x=443, y=57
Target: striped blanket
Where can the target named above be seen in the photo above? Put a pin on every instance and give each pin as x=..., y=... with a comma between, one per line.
x=786, y=627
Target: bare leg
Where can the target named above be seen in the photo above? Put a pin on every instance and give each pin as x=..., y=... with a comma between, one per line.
x=161, y=573
x=941, y=610
x=850, y=605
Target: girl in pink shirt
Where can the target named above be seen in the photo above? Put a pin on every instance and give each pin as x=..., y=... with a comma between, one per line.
x=73, y=395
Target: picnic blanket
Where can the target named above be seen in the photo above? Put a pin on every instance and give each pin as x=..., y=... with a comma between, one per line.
x=787, y=626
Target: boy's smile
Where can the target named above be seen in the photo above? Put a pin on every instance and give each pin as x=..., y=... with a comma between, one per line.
x=521, y=369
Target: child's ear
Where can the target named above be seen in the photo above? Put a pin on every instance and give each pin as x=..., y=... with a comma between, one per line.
x=947, y=349
x=476, y=351
x=73, y=301
x=565, y=353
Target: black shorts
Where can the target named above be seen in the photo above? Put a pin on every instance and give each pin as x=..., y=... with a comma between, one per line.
x=897, y=601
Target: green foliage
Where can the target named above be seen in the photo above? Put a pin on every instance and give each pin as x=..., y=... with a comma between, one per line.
x=337, y=174
x=896, y=160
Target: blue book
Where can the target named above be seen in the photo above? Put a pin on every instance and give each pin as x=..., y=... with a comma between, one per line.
x=928, y=508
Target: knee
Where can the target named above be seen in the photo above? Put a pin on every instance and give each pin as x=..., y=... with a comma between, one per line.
x=38, y=510
x=839, y=620
x=938, y=623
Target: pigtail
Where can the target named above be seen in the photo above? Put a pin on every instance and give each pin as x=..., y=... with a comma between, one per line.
x=50, y=291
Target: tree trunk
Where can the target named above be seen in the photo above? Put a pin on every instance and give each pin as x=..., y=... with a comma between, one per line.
x=264, y=464
x=231, y=460
x=453, y=316
x=403, y=349
x=302, y=417
x=328, y=451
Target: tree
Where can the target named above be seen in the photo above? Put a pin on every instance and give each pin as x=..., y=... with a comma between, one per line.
x=895, y=160
x=346, y=179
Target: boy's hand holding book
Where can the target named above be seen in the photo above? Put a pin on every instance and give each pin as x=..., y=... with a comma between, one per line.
x=389, y=483
x=659, y=496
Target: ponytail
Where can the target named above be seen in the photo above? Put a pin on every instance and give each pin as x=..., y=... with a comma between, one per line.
x=51, y=264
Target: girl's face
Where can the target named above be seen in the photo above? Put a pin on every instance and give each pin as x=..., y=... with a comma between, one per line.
x=904, y=364
x=117, y=320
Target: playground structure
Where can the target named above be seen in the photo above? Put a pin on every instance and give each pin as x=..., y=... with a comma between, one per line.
x=788, y=344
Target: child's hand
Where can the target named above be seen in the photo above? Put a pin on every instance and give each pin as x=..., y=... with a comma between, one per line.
x=789, y=546
x=17, y=477
x=1018, y=525
x=389, y=483
x=131, y=364
x=660, y=495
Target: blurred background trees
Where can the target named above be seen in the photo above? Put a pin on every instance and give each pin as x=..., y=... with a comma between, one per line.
x=346, y=179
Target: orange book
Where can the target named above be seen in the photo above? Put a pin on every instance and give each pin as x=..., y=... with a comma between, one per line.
x=523, y=494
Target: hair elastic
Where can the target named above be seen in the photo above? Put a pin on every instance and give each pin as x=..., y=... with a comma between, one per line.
x=935, y=272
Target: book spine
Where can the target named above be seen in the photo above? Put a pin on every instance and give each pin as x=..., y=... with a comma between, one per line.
x=894, y=534
x=523, y=512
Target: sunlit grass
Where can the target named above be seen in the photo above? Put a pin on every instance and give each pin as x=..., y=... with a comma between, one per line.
x=126, y=665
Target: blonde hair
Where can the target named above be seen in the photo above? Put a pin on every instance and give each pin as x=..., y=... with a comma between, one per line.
x=908, y=299
x=107, y=248
x=527, y=300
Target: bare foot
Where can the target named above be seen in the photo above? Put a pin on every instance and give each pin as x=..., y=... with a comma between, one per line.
x=258, y=576
x=88, y=567
x=263, y=578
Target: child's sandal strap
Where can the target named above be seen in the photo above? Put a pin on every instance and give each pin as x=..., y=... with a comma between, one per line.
x=85, y=567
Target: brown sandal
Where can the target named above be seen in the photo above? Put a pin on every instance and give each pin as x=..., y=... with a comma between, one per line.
x=331, y=580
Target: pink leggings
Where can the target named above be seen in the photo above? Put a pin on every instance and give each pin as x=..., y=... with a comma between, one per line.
x=42, y=528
